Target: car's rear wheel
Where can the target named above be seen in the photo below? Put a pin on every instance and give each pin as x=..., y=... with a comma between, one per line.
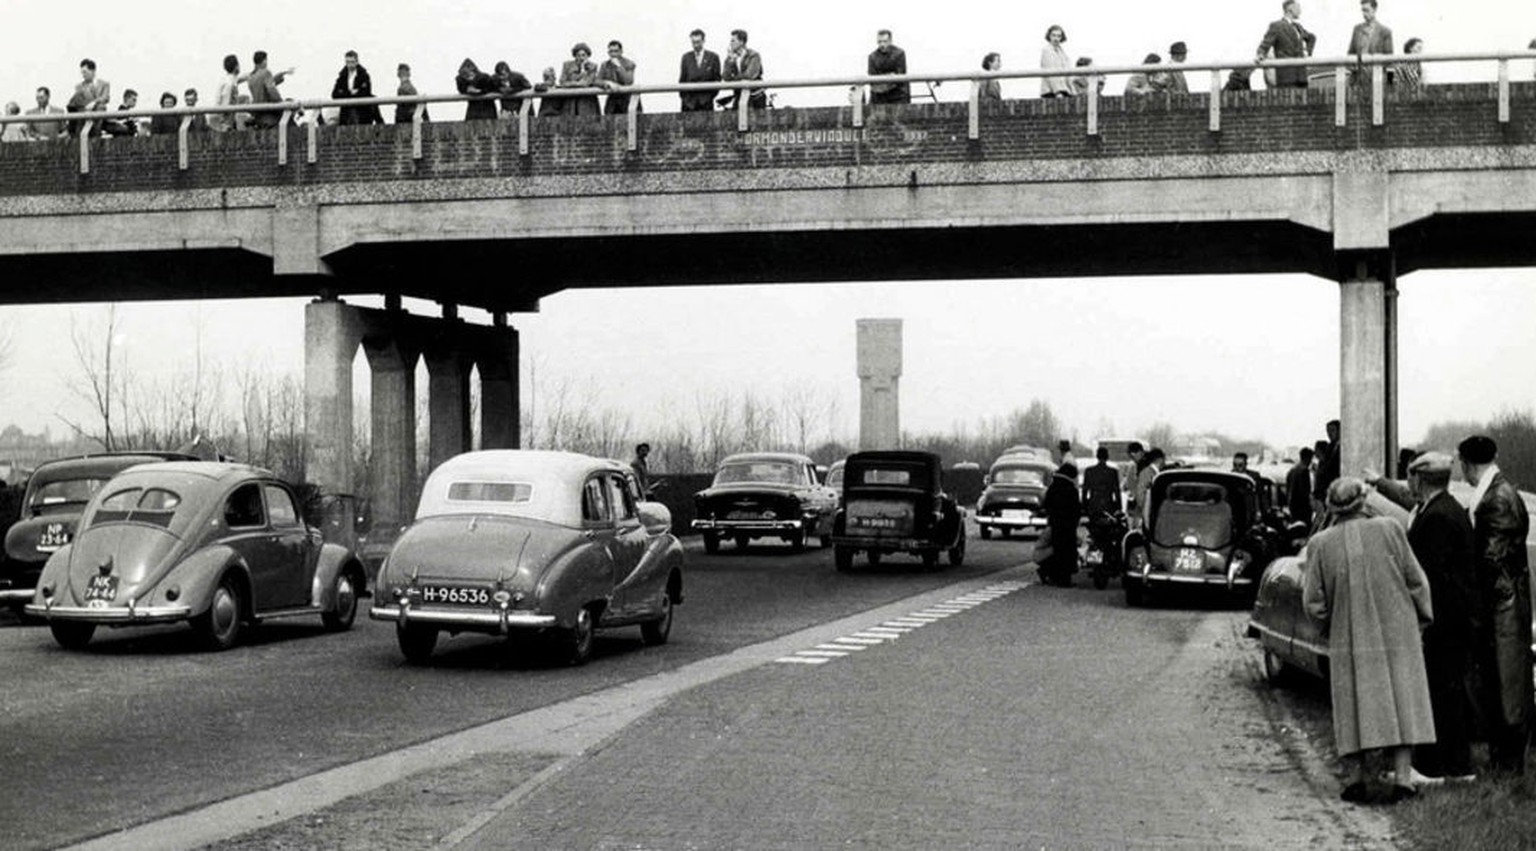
x=930, y=559
x=711, y=542
x=873, y=558
x=797, y=540
x=742, y=541
x=843, y=558
x=344, y=606
x=219, y=628
x=416, y=642
x=656, y=632
x=70, y=635
x=957, y=552
x=1276, y=671
x=986, y=532
x=576, y=643
x=1005, y=532
x=1135, y=595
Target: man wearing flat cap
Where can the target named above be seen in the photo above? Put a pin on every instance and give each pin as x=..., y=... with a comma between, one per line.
x=1502, y=622
x=1176, y=82
x=1440, y=535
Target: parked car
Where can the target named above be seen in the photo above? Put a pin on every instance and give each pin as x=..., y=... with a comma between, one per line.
x=1288, y=637
x=56, y=494
x=894, y=502
x=834, y=480
x=544, y=543
x=213, y=544
x=765, y=495
x=1015, y=491
x=1206, y=529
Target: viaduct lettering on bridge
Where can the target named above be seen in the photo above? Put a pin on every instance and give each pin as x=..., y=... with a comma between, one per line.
x=801, y=196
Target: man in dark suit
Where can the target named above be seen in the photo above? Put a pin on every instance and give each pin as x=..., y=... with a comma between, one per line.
x=1441, y=537
x=1289, y=40
x=699, y=66
x=887, y=58
x=1298, y=488
x=354, y=82
x=1502, y=623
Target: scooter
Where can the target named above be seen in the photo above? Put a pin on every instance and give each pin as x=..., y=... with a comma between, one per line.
x=1106, y=532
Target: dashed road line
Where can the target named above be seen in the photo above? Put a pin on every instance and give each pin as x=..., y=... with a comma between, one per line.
x=894, y=628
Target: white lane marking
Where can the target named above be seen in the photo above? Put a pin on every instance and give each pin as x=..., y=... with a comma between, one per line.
x=822, y=654
x=937, y=615
x=863, y=642
x=838, y=645
x=893, y=631
x=882, y=636
x=909, y=622
x=802, y=660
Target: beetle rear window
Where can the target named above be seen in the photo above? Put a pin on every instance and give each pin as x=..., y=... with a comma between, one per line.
x=490, y=492
x=138, y=505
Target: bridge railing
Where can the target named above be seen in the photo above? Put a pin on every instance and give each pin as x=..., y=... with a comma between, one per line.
x=1344, y=78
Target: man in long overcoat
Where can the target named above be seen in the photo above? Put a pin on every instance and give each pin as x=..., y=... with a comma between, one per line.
x=1364, y=585
x=1503, y=622
x=1063, y=509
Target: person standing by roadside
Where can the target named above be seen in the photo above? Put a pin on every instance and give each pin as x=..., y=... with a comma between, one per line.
x=1155, y=459
x=619, y=70
x=1363, y=584
x=1503, y=620
x=405, y=113
x=1289, y=40
x=1053, y=57
x=1176, y=82
x=642, y=467
x=1101, y=486
x=699, y=66
x=743, y=63
x=45, y=129
x=887, y=58
x=1298, y=488
x=1063, y=511
x=355, y=83
x=1327, y=463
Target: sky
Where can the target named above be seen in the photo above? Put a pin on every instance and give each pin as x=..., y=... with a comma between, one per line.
x=1252, y=356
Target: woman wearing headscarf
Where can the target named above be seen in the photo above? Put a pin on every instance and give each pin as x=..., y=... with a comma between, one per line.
x=580, y=72
x=1363, y=584
x=473, y=81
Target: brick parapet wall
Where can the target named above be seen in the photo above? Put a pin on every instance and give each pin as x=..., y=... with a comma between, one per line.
x=704, y=150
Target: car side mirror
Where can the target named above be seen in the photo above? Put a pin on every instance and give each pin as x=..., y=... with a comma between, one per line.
x=655, y=517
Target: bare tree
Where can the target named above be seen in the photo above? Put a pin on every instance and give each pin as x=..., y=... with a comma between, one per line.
x=103, y=380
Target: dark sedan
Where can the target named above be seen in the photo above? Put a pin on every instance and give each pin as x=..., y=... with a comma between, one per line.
x=765, y=495
x=1012, y=499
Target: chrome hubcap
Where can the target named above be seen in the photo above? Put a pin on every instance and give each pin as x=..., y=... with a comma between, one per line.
x=224, y=612
x=346, y=598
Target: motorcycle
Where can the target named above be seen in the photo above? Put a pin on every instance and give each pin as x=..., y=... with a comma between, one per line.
x=1103, y=557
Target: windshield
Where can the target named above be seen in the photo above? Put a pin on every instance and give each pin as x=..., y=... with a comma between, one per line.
x=777, y=472
x=66, y=492
x=835, y=478
x=1194, y=509
x=1018, y=476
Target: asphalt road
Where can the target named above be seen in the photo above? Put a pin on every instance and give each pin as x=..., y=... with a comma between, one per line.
x=140, y=726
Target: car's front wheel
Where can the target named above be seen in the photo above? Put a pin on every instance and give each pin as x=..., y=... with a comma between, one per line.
x=219, y=628
x=986, y=532
x=843, y=558
x=70, y=635
x=797, y=540
x=957, y=552
x=576, y=643
x=711, y=543
x=1135, y=595
x=344, y=605
x=1276, y=672
x=873, y=558
x=416, y=642
x=656, y=632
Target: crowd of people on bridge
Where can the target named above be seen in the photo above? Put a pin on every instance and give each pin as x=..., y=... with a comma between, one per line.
x=506, y=90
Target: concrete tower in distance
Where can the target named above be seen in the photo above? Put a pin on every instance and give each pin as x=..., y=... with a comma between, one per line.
x=879, y=381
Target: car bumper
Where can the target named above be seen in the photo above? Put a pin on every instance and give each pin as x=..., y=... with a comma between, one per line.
x=16, y=595
x=910, y=545
x=1211, y=580
x=775, y=527
x=478, y=620
x=112, y=616
x=1037, y=522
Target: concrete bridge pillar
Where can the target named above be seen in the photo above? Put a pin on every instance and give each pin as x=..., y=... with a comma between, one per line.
x=500, y=405
x=392, y=456
x=332, y=332
x=1367, y=367
x=448, y=368
x=879, y=358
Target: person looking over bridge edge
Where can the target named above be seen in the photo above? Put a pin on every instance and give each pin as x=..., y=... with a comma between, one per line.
x=991, y=90
x=699, y=66
x=619, y=70
x=509, y=83
x=1176, y=82
x=472, y=81
x=887, y=58
x=405, y=113
x=1289, y=40
x=92, y=94
x=743, y=63
x=40, y=130
x=580, y=72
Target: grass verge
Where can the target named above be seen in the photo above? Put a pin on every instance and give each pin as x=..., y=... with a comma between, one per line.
x=1496, y=811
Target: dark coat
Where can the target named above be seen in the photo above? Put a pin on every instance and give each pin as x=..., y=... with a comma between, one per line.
x=516, y=83
x=1290, y=40
x=1503, y=626
x=894, y=62
x=483, y=83
x=1441, y=537
x=1327, y=471
x=1101, y=489
x=1063, y=509
x=356, y=114
x=694, y=71
x=1298, y=493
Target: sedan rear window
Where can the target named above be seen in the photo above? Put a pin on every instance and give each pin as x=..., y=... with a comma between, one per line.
x=66, y=491
x=490, y=492
x=781, y=472
x=876, y=476
x=1018, y=476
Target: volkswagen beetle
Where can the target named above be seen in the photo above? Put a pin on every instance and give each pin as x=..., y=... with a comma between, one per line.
x=216, y=545
x=519, y=541
x=763, y=495
x=1013, y=496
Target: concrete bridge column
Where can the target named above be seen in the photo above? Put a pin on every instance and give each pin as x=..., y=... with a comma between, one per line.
x=392, y=459
x=500, y=404
x=1366, y=369
x=332, y=333
x=448, y=431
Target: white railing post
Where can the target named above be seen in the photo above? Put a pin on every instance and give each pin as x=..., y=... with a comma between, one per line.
x=742, y=99
x=1341, y=91
x=1503, y=91
x=524, y=146
x=416, y=122
x=856, y=100
x=85, y=146
x=282, y=137
x=632, y=117
x=181, y=142
x=313, y=140
x=975, y=111
x=1378, y=95
x=1093, y=106
x=1215, y=101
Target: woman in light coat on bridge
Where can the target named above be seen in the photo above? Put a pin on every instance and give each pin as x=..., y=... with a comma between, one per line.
x=1362, y=582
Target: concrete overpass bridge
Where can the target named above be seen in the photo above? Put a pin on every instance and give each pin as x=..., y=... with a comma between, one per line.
x=1353, y=182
